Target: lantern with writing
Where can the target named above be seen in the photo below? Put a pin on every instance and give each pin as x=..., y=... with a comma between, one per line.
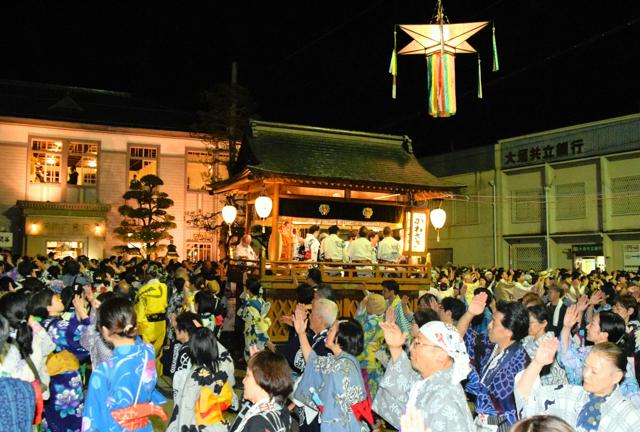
x=415, y=232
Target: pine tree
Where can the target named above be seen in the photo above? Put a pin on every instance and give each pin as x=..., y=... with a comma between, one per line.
x=146, y=221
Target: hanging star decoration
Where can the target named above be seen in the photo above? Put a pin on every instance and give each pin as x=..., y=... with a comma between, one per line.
x=440, y=42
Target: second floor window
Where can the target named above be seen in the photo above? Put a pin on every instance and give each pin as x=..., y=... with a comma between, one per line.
x=58, y=161
x=142, y=161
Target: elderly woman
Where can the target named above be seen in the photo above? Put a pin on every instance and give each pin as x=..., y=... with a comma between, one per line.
x=430, y=381
x=266, y=387
x=605, y=327
x=333, y=385
x=597, y=405
x=540, y=330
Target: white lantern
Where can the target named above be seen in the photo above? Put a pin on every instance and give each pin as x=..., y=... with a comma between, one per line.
x=263, y=206
x=438, y=218
x=229, y=213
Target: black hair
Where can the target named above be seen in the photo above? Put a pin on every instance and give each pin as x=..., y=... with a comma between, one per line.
x=184, y=322
x=422, y=317
x=39, y=302
x=71, y=267
x=363, y=231
x=6, y=283
x=391, y=285
x=13, y=306
x=456, y=306
x=315, y=275
x=333, y=229
x=426, y=298
x=487, y=292
x=616, y=330
x=350, y=336
x=254, y=286
x=32, y=284
x=208, y=304
x=304, y=294
x=118, y=317
x=609, y=291
x=540, y=313
x=25, y=268
x=178, y=284
x=515, y=318
x=313, y=228
x=628, y=302
x=203, y=349
x=54, y=271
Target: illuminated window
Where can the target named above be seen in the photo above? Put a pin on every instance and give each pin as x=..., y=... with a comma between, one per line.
x=82, y=164
x=199, y=251
x=142, y=161
x=200, y=170
x=46, y=161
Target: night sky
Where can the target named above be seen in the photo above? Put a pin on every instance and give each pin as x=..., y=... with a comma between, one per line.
x=326, y=63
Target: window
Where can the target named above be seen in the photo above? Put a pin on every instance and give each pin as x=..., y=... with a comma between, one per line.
x=56, y=161
x=570, y=201
x=465, y=212
x=527, y=206
x=200, y=170
x=82, y=163
x=529, y=257
x=625, y=193
x=142, y=161
x=46, y=161
x=199, y=251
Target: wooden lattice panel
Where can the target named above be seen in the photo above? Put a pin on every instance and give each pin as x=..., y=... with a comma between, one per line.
x=280, y=307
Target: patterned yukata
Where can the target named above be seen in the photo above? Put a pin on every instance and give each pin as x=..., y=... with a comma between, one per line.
x=571, y=403
x=491, y=377
x=115, y=383
x=253, y=311
x=442, y=403
x=187, y=384
x=337, y=386
x=373, y=342
x=553, y=375
x=63, y=410
x=401, y=319
x=572, y=359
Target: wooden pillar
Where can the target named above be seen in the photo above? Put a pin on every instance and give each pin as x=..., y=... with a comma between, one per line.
x=275, y=244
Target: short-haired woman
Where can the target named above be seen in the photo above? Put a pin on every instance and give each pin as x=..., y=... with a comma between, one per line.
x=333, y=385
x=266, y=386
x=597, y=405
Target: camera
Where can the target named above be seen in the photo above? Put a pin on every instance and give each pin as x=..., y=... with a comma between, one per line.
x=78, y=289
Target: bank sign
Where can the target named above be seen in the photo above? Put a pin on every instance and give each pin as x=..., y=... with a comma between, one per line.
x=595, y=140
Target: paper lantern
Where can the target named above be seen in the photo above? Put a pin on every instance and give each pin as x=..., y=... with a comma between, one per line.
x=263, y=206
x=229, y=213
x=438, y=218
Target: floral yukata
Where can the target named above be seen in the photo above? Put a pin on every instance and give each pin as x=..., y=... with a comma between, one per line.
x=116, y=383
x=553, y=374
x=195, y=385
x=63, y=410
x=373, y=342
x=253, y=312
x=333, y=385
x=442, y=403
x=491, y=378
x=582, y=410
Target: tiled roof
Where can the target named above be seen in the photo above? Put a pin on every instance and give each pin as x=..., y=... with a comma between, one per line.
x=82, y=105
x=335, y=156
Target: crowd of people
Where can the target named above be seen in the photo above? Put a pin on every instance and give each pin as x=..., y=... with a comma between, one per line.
x=83, y=343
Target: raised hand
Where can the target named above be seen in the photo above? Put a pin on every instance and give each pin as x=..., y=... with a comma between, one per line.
x=390, y=315
x=478, y=304
x=546, y=351
x=583, y=303
x=597, y=298
x=286, y=320
x=572, y=316
x=78, y=305
x=300, y=320
x=393, y=336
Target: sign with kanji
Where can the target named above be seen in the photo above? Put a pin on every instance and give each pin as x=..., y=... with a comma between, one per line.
x=6, y=240
x=587, y=250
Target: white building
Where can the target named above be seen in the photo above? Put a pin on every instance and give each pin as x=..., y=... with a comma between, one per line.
x=107, y=137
